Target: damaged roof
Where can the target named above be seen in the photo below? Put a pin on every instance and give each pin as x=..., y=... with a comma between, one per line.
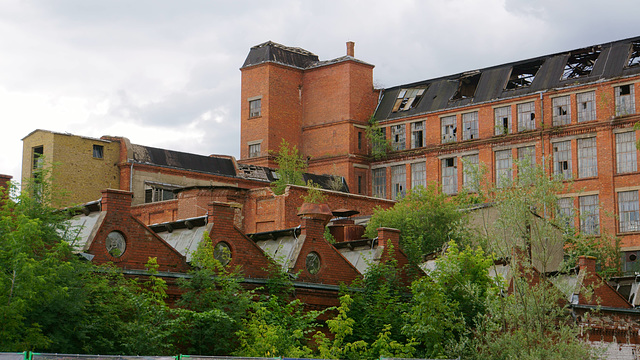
x=594, y=63
x=220, y=165
x=271, y=52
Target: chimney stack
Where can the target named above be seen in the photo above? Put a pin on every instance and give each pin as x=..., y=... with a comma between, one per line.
x=350, y=48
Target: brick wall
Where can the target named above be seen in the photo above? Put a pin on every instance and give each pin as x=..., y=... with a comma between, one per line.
x=141, y=242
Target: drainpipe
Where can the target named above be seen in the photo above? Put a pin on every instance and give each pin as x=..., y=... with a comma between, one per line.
x=131, y=178
x=542, y=132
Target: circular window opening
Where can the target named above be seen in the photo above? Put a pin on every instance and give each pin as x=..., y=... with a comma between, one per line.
x=313, y=262
x=222, y=253
x=115, y=244
x=633, y=257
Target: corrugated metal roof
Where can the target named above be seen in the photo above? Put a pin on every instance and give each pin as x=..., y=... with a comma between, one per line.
x=441, y=93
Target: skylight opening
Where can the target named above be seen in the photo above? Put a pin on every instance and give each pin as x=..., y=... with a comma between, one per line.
x=634, y=56
x=467, y=86
x=580, y=63
x=522, y=75
x=408, y=99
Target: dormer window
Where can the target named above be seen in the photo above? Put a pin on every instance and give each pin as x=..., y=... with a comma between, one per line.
x=522, y=75
x=580, y=63
x=408, y=99
x=467, y=86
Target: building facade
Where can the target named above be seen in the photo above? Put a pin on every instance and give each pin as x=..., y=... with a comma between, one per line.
x=573, y=113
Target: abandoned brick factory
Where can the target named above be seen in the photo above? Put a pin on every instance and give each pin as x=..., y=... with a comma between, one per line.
x=572, y=113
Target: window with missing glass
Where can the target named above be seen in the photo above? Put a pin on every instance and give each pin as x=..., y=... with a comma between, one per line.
x=629, y=211
x=449, y=176
x=155, y=192
x=115, y=244
x=586, y=106
x=398, y=137
x=626, y=152
x=417, y=134
x=526, y=116
x=379, y=180
x=449, y=128
x=589, y=215
x=625, y=100
x=502, y=119
x=398, y=182
x=562, y=159
x=561, y=110
x=470, y=126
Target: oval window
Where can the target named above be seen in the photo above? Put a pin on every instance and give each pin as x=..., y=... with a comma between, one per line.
x=222, y=253
x=313, y=262
x=115, y=244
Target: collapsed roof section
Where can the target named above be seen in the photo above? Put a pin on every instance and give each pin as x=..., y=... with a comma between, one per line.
x=605, y=61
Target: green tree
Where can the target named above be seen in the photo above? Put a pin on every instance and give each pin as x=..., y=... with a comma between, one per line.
x=426, y=218
x=291, y=167
x=448, y=302
x=377, y=139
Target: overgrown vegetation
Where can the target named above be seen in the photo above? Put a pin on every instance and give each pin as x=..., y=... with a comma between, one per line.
x=378, y=143
x=291, y=167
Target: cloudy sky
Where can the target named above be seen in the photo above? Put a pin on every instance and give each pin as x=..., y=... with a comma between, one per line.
x=166, y=73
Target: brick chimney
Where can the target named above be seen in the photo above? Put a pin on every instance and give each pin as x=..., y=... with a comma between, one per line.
x=386, y=235
x=221, y=215
x=351, y=48
x=116, y=200
x=587, y=263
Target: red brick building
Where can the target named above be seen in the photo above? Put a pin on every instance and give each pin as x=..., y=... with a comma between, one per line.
x=572, y=113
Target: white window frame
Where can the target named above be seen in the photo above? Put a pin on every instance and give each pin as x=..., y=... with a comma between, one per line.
x=562, y=159
x=398, y=181
x=502, y=116
x=626, y=152
x=586, y=103
x=417, y=134
x=526, y=116
x=587, y=157
x=561, y=106
x=625, y=103
x=628, y=211
x=418, y=175
x=503, y=167
x=449, y=128
x=589, y=214
x=470, y=126
x=449, y=175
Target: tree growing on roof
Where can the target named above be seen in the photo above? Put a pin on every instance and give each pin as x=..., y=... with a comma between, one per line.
x=291, y=167
x=426, y=218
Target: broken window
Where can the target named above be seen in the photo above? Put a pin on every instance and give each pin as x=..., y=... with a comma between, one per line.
x=586, y=106
x=398, y=182
x=359, y=140
x=587, y=158
x=379, y=177
x=526, y=116
x=629, y=211
x=561, y=110
x=589, y=215
x=255, y=108
x=502, y=120
x=626, y=152
x=503, y=168
x=562, y=159
x=634, y=55
x=407, y=99
x=418, y=175
x=470, y=126
x=449, y=176
x=417, y=134
x=522, y=75
x=625, y=102
x=254, y=150
x=398, y=138
x=158, y=192
x=580, y=63
x=448, y=128
x=470, y=172
x=467, y=86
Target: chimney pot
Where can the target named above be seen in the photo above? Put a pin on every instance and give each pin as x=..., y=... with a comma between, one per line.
x=351, y=48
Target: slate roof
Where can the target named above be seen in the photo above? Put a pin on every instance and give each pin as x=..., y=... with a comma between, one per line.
x=220, y=165
x=290, y=56
x=500, y=82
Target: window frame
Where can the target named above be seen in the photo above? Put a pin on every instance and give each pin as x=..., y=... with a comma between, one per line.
x=417, y=134
x=470, y=130
x=586, y=106
x=625, y=103
x=398, y=137
x=589, y=212
x=398, y=181
x=501, y=115
x=562, y=159
x=526, y=116
x=449, y=175
x=504, y=174
x=255, y=111
x=587, y=157
x=379, y=183
x=419, y=174
x=448, y=129
x=561, y=114
x=628, y=211
x=626, y=152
